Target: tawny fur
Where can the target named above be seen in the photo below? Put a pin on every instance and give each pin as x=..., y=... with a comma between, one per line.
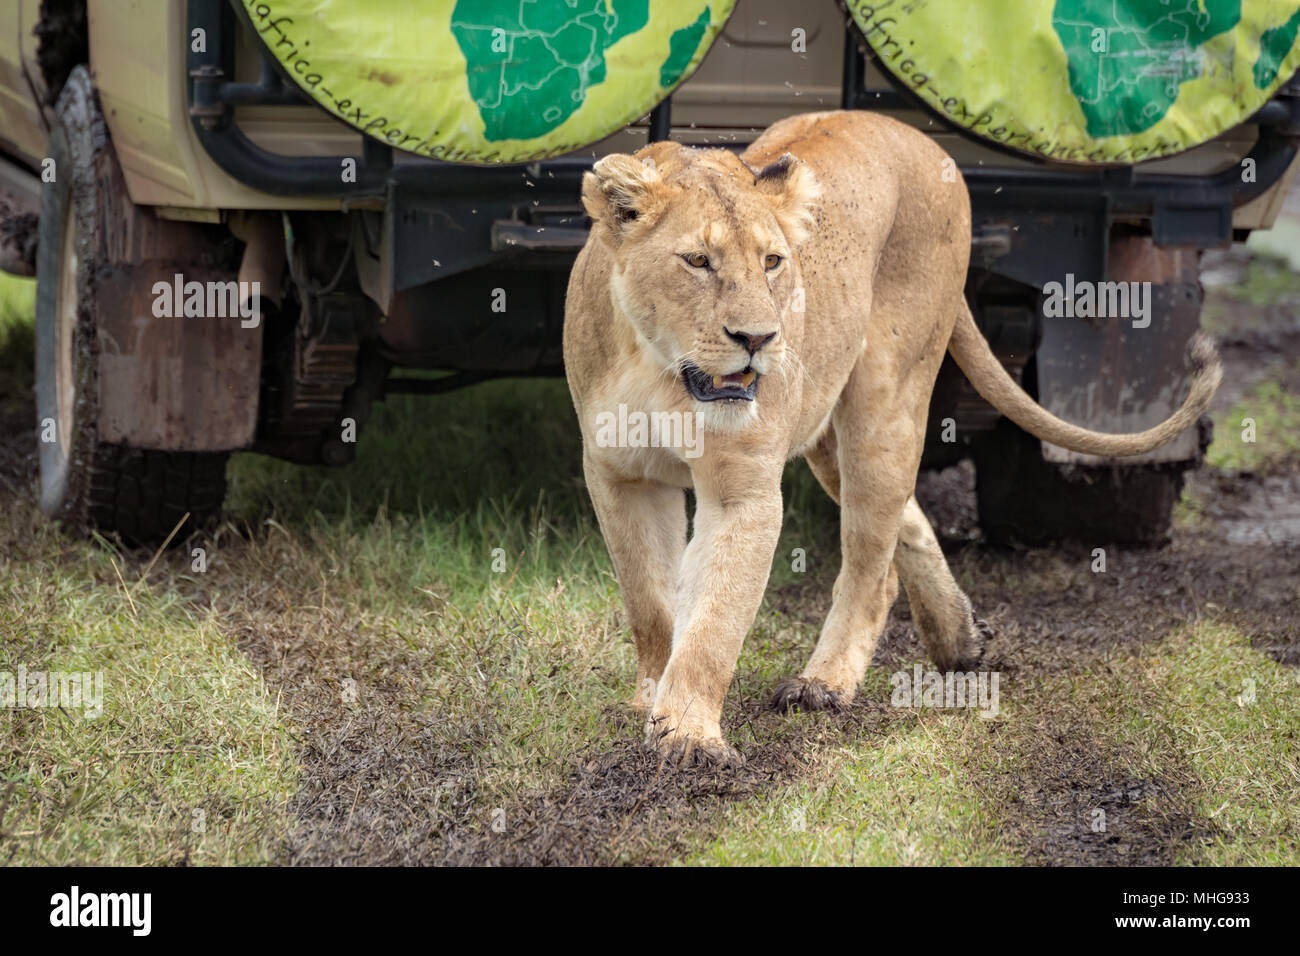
x=874, y=239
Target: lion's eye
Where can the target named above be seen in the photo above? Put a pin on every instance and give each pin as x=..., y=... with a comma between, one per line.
x=697, y=259
x=771, y=261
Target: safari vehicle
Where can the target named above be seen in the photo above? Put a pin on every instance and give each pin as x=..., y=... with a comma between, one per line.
x=403, y=193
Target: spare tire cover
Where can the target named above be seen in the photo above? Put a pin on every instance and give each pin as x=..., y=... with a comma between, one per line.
x=488, y=81
x=1087, y=81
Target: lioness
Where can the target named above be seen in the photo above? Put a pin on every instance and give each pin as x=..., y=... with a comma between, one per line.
x=794, y=300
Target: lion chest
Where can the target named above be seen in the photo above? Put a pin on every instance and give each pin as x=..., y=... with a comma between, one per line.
x=640, y=443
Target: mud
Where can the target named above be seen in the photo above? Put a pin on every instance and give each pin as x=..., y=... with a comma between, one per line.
x=623, y=806
x=18, y=239
x=619, y=806
x=383, y=780
x=1067, y=799
x=63, y=43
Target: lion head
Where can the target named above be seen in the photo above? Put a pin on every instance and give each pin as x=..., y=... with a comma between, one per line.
x=703, y=260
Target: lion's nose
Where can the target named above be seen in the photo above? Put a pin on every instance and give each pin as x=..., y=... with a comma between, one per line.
x=752, y=341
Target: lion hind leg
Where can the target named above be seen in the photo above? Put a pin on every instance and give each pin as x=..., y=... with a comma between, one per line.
x=858, y=463
x=949, y=632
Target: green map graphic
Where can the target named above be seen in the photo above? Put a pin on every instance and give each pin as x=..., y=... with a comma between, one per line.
x=1126, y=77
x=1086, y=81
x=683, y=44
x=1128, y=61
x=531, y=62
x=1274, y=45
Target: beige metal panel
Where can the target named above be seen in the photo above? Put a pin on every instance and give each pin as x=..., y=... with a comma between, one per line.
x=754, y=76
x=1262, y=212
x=21, y=131
x=137, y=54
x=289, y=130
x=298, y=131
x=137, y=59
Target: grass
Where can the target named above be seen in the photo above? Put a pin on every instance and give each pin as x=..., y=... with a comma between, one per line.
x=904, y=799
x=17, y=306
x=1266, y=296
x=1268, y=281
x=436, y=629
x=1260, y=433
x=188, y=761
x=17, y=337
x=1236, y=715
x=1156, y=746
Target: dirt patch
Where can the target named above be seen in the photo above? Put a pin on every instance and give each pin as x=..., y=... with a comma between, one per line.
x=1254, y=510
x=1240, y=562
x=64, y=42
x=382, y=778
x=621, y=806
x=948, y=499
x=18, y=238
x=1070, y=797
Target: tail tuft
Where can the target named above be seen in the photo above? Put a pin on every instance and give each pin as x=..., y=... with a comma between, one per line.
x=1204, y=356
x=1207, y=370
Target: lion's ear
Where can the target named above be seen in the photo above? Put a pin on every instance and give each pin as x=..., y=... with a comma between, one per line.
x=620, y=193
x=793, y=190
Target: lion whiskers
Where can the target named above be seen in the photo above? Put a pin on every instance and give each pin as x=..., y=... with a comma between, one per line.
x=790, y=362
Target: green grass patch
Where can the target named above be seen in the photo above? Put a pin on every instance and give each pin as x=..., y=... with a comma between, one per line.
x=901, y=799
x=188, y=761
x=1235, y=716
x=1267, y=296
x=1269, y=281
x=17, y=308
x=1259, y=433
x=1185, y=753
x=17, y=339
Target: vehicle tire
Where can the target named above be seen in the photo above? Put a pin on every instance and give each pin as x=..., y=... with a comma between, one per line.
x=139, y=494
x=1024, y=500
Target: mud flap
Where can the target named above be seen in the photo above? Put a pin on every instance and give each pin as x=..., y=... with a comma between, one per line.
x=1129, y=372
x=167, y=380
x=172, y=382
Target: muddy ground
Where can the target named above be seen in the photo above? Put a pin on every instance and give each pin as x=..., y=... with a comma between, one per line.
x=389, y=783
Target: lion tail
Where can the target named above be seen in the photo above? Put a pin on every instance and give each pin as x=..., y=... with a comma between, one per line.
x=971, y=351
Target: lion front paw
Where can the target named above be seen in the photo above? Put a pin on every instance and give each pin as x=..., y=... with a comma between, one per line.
x=806, y=693
x=680, y=747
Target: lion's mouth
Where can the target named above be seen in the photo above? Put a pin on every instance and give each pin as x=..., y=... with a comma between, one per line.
x=739, y=386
